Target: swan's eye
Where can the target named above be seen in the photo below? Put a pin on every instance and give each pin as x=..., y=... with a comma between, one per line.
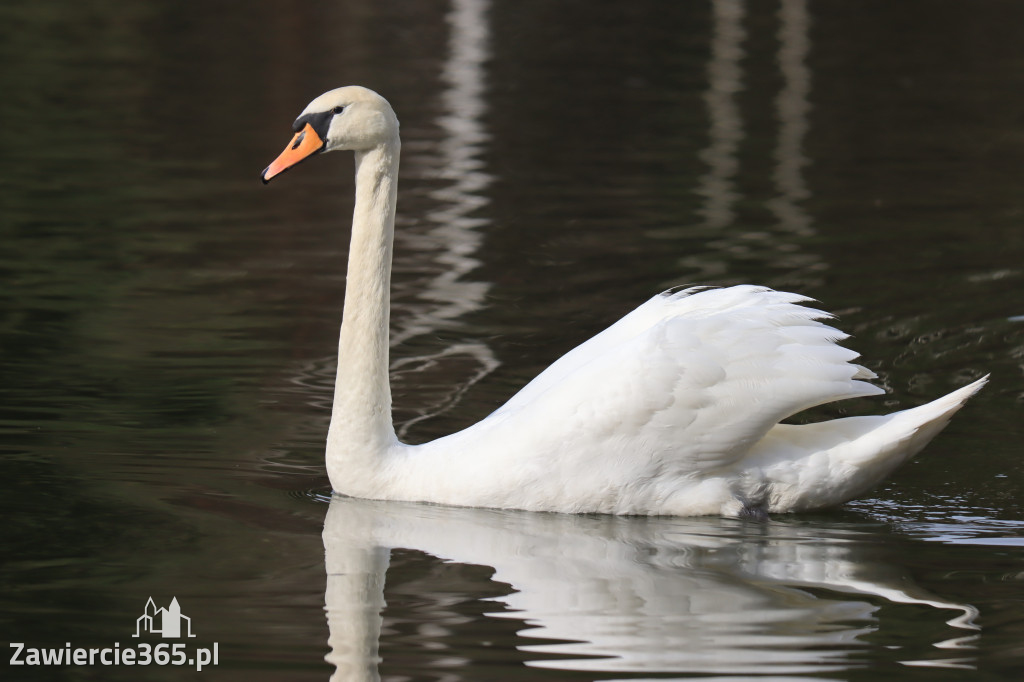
x=338, y=110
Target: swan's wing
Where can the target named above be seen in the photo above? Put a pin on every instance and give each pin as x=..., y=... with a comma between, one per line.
x=636, y=322
x=693, y=379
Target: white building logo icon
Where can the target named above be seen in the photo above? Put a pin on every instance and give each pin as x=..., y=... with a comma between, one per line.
x=166, y=622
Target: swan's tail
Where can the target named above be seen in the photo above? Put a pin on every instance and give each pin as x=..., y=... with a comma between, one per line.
x=924, y=423
x=814, y=466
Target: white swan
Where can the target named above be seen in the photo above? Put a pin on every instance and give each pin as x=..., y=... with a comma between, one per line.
x=674, y=409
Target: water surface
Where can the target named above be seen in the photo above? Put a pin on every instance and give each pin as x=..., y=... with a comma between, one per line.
x=167, y=327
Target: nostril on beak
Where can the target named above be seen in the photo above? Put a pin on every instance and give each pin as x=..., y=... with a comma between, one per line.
x=298, y=139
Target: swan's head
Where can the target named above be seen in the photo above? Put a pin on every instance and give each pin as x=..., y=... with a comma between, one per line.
x=352, y=118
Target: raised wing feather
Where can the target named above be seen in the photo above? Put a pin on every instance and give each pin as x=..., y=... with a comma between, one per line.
x=689, y=381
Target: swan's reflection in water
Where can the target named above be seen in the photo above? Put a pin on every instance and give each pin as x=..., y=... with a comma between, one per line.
x=648, y=595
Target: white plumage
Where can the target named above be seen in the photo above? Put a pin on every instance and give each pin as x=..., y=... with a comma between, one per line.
x=674, y=409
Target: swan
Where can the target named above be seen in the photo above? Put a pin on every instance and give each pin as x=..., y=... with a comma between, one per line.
x=673, y=410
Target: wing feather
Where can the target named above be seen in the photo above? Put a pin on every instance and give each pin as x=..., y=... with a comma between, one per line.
x=690, y=380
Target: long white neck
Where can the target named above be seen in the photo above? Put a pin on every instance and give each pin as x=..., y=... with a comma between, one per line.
x=361, y=428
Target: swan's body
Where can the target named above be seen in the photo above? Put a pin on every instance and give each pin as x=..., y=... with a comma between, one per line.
x=674, y=409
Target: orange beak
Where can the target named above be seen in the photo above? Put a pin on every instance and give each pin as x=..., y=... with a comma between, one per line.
x=305, y=143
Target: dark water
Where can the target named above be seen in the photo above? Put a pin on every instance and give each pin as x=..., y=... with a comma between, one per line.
x=167, y=327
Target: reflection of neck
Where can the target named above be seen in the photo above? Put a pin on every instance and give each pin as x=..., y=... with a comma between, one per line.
x=361, y=419
x=355, y=601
